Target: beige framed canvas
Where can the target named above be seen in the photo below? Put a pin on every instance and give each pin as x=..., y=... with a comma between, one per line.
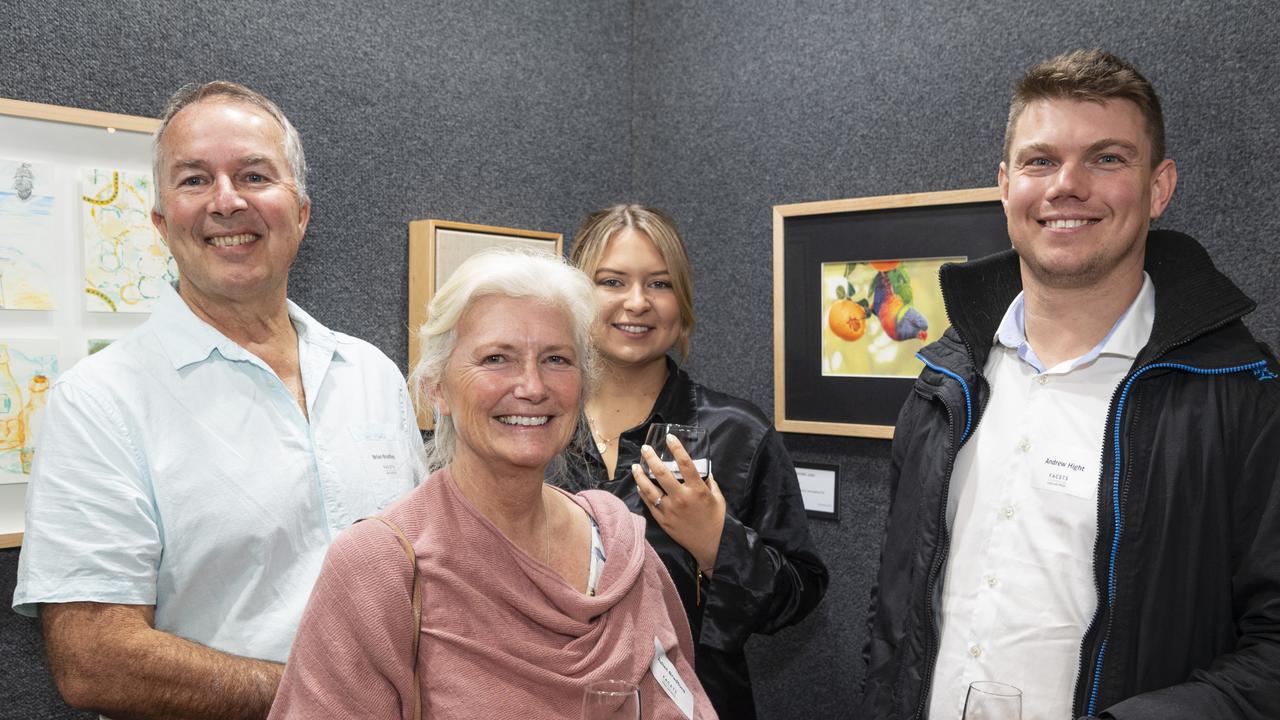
x=438, y=247
x=856, y=296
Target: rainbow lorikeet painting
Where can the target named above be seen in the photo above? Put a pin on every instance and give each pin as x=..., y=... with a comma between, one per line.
x=891, y=303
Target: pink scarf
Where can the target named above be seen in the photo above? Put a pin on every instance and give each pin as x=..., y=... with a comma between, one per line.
x=503, y=636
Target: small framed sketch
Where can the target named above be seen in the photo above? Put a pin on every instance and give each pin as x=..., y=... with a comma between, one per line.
x=820, y=489
x=438, y=247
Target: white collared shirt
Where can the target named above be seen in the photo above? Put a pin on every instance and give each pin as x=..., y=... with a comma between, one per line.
x=1018, y=591
x=175, y=469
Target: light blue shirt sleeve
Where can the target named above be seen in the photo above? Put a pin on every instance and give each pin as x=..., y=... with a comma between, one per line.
x=97, y=538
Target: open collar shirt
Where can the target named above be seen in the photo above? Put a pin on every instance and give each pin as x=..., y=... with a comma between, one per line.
x=175, y=469
x=1018, y=592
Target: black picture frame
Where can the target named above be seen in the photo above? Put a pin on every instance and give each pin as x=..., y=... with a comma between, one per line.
x=955, y=223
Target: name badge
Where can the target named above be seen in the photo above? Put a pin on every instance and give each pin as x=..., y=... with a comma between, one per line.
x=664, y=671
x=382, y=459
x=1072, y=471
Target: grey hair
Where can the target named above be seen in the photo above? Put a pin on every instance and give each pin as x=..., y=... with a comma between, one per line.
x=193, y=93
x=508, y=272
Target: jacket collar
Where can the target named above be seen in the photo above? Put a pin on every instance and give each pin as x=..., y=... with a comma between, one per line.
x=1192, y=296
x=677, y=402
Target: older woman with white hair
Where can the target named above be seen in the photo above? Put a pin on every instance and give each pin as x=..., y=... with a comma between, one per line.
x=526, y=594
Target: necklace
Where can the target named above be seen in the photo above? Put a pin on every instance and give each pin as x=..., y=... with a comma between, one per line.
x=602, y=442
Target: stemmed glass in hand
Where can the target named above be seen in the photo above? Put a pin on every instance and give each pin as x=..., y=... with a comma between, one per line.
x=988, y=700
x=611, y=700
x=696, y=442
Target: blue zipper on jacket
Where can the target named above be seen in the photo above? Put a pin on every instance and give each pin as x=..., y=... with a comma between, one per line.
x=968, y=400
x=968, y=424
x=1115, y=499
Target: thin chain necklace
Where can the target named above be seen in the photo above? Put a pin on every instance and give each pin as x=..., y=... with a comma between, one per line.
x=602, y=442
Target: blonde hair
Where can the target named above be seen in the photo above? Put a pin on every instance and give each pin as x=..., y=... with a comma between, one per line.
x=540, y=277
x=600, y=227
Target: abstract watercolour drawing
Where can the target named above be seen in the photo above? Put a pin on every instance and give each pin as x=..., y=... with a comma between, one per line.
x=26, y=235
x=126, y=263
x=27, y=370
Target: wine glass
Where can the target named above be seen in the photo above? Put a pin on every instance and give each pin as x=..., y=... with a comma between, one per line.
x=611, y=700
x=696, y=441
x=990, y=700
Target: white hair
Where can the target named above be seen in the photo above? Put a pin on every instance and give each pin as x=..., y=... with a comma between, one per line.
x=539, y=276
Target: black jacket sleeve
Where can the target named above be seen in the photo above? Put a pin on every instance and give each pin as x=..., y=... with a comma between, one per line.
x=768, y=574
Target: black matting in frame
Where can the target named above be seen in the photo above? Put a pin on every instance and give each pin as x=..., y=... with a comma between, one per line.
x=970, y=230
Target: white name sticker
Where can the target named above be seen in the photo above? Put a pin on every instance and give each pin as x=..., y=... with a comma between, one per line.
x=664, y=671
x=382, y=459
x=702, y=465
x=1071, y=471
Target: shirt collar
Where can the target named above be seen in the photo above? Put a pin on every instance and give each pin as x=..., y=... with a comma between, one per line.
x=187, y=339
x=1126, y=338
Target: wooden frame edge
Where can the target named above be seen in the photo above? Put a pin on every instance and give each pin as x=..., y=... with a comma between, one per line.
x=10, y=540
x=813, y=427
x=885, y=202
x=78, y=116
x=779, y=377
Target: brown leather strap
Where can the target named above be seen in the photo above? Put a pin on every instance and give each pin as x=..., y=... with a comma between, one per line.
x=417, y=611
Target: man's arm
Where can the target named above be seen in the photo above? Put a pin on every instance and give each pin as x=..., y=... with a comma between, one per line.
x=110, y=659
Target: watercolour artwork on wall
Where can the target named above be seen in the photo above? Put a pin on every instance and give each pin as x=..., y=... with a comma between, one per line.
x=27, y=369
x=126, y=263
x=80, y=262
x=877, y=314
x=26, y=224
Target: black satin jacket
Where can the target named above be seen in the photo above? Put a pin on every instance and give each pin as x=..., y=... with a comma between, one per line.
x=768, y=574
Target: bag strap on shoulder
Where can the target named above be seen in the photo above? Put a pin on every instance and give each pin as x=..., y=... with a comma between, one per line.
x=417, y=610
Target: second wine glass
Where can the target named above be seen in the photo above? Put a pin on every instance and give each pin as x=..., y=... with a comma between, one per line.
x=989, y=700
x=611, y=700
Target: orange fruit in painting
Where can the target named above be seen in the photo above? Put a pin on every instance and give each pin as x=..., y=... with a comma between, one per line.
x=847, y=319
x=885, y=265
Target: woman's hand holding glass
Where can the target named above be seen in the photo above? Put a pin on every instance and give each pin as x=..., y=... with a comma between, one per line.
x=692, y=511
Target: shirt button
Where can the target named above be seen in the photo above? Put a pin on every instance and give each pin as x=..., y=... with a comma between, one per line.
x=1024, y=445
x=992, y=580
x=1042, y=379
x=1007, y=510
x=975, y=651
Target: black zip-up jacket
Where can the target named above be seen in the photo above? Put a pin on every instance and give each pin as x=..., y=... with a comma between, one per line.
x=768, y=574
x=1187, y=558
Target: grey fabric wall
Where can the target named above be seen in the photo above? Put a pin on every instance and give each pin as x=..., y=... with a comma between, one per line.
x=500, y=112
x=530, y=113
x=739, y=106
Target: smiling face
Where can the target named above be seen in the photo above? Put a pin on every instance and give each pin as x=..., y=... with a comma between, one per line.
x=1079, y=192
x=512, y=384
x=639, y=312
x=231, y=214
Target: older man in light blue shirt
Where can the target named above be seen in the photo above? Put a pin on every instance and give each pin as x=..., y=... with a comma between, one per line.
x=191, y=476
